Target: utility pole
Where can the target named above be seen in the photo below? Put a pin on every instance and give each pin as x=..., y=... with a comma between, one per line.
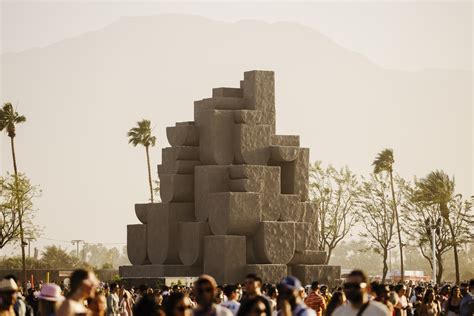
x=434, y=227
x=29, y=246
x=77, y=242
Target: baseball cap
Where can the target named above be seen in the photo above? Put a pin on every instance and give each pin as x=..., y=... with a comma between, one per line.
x=291, y=283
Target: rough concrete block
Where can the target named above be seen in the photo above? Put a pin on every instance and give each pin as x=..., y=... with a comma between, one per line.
x=259, y=93
x=137, y=244
x=310, y=212
x=285, y=140
x=163, y=241
x=250, y=250
x=321, y=273
x=270, y=273
x=208, y=179
x=216, y=137
x=191, y=242
x=290, y=208
x=178, y=167
x=187, y=123
x=141, y=212
x=227, y=93
x=284, y=153
x=251, y=144
x=219, y=103
x=274, y=242
x=271, y=194
x=301, y=178
x=187, y=135
x=172, y=154
x=250, y=117
x=158, y=271
x=253, y=172
x=176, y=188
x=224, y=258
x=234, y=213
x=310, y=257
x=245, y=185
x=303, y=236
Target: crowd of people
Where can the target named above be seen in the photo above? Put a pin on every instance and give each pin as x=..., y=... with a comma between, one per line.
x=86, y=295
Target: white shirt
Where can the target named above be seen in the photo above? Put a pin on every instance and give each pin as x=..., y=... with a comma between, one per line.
x=233, y=306
x=374, y=309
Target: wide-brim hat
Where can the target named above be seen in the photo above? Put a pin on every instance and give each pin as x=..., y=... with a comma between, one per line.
x=8, y=285
x=51, y=292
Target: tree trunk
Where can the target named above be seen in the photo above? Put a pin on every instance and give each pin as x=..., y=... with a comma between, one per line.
x=439, y=272
x=328, y=255
x=149, y=173
x=455, y=249
x=402, y=268
x=385, y=266
x=20, y=215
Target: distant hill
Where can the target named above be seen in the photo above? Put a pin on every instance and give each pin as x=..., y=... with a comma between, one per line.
x=82, y=94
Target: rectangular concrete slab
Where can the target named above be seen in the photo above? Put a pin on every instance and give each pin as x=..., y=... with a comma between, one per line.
x=252, y=172
x=227, y=92
x=171, y=154
x=285, y=140
x=177, y=188
x=245, y=185
x=291, y=209
x=324, y=274
x=269, y=273
x=274, y=242
x=250, y=117
x=208, y=179
x=224, y=258
x=191, y=242
x=187, y=135
x=178, y=167
x=251, y=144
x=310, y=257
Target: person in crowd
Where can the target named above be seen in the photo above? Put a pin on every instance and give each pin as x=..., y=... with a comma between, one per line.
x=125, y=302
x=205, y=290
x=402, y=306
x=8, y=296
x=147, y=306
x=454, y=301
x=50, y=298
x=177, y=305
x=272, y=295
x=289, y=300
x=158, y=297
x=83, y=286
x=21, y=307
x=356, y=291
x=253, y=289
x=430, y=306
x=97, y=304
x=113, y=301
x=381, y=294
x=315, y=300
x=32, y=300
x=416, y=300
x=230, y=291
x=466, y=307
x=337, y=300
x=443, y=296
x=255, y=306
x=323, y=289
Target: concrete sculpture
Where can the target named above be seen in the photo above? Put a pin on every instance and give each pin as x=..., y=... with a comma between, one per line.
x=234, y=196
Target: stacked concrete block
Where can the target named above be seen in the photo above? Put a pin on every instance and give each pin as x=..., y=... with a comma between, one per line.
x=234, y=196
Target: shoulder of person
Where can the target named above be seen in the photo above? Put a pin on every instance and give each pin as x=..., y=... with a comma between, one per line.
x=341, y=310
x=374, y=305
x=223, y=311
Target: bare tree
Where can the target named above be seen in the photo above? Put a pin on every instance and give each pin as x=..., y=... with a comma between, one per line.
x=377, y=215
x=336, y=192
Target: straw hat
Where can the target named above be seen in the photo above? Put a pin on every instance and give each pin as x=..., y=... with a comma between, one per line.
x=51, y=292
x=8, y=285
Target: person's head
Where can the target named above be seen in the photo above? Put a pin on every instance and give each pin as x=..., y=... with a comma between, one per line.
x=455, y=292
x=158, y=298
x=146, y=306
x=356, y=287
x=315, y=286
x=288, y=290
x=49, y=299
x=381, y=292
x=114, y=287
x=252, y=284
x=230, y=291
x=429, y=296
x=205, y=290
x=418, y=290
x=97, y=304
x=83, y=283
x=254, y=307
x=400, y=289
x=8, y=293
x=336, y=301
x=323, y=289
x=177, y=305
x=464, y=288
x=272, y=292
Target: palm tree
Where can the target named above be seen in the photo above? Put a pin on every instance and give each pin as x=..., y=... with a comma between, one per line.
x=141, y=135
x=384, y=162
x=438, y=189
x=8, y=120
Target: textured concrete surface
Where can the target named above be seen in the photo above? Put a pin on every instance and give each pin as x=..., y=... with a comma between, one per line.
x=245, y=185
x=187, y=135
x=234, y=213
x=177, y=188
x=163, y=238
x=291, y=209
x=208, y=179
x=271, y=194
x=136, y=244
x=270, y=273
x=227, y=92
x=249, y=117
x=178, y=167
x=274, y=242
x=251, y=144
x=159, y=270
x=309, y=257
x=324, y=274
x=285, y=140
x=284, y=153
x=224, y=258
x=191, y=242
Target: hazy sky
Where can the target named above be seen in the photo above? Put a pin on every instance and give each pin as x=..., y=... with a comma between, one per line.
x=396, y=35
